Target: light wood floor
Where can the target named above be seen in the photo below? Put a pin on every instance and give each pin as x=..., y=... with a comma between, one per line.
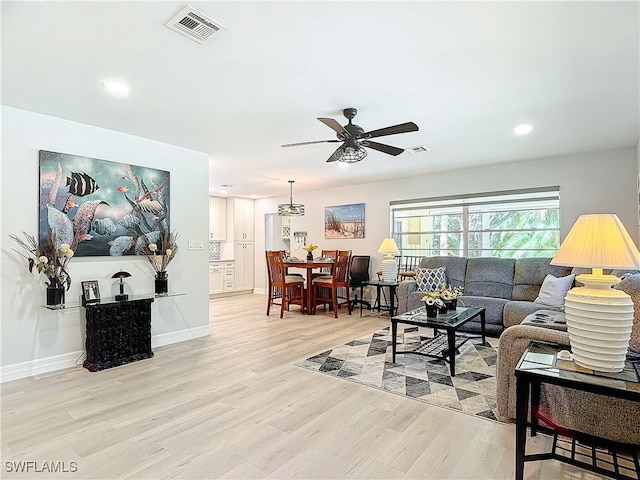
x=233, y=405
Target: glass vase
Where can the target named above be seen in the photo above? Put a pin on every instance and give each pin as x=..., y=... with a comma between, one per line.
x=310, y=256
x=162, y=283
x=55, y=292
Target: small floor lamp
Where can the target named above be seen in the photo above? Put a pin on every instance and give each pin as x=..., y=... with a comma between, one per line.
x=389, y=266
x=599, y=318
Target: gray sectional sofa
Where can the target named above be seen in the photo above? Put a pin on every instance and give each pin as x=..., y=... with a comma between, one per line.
x=506, y=287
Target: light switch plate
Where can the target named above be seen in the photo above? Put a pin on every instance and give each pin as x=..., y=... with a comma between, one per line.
x=196, y=245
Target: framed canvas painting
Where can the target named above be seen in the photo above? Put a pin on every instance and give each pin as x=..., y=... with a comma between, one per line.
x=344, y=221
x=103, y=208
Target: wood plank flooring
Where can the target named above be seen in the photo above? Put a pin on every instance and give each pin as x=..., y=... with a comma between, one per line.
x=233, y=405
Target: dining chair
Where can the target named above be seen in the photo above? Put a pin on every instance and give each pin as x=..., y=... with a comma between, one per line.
x=324, y=271
x=325, y=289
x=288, y=288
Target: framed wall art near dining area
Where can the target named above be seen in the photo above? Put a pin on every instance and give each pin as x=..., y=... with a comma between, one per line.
x=344, y=221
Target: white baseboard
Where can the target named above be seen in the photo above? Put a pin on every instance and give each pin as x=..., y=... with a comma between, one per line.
x=68, y=360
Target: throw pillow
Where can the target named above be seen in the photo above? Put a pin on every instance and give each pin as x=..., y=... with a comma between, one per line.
x=553, y=290
x=429, y=279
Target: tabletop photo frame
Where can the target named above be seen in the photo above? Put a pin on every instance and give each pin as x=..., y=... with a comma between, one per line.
x=90, y=292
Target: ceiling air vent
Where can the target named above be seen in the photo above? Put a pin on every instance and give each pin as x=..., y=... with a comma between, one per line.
x=195, y=25
x=418, y=149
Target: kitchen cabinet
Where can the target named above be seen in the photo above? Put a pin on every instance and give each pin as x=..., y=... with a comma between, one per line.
x=217, y=218
x=243, y=220
x=244, y=257
x=216, y=279
x=221, y=277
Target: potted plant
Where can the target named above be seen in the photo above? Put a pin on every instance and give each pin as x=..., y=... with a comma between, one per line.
x=309, y=249
x=432, y=303
x=450, y=295
x=159, y=257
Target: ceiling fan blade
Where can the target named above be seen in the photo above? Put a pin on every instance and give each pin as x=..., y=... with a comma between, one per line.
x=381, y=147
x=332, y=158
x=393, y=130
x=333, y=124
x=309, y=143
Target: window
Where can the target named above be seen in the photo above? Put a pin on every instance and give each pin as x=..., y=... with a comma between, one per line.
x=513, y=224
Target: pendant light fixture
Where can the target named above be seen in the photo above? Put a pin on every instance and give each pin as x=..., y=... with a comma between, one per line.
x=291, y=209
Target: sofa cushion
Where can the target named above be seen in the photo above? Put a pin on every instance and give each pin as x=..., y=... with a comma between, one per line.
x=529, y=275
x=489, y=277
x=430, y=279
x=456, y=267
x=516, y=311
x=554, y=290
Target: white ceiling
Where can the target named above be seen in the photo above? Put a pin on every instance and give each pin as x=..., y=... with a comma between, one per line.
x=465, y=72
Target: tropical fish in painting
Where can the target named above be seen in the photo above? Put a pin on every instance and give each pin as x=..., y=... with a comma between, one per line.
x=150, y=206
x=104, y=226
x=60, y=225
x=129, y=220
x=70, y=203
x=123, y=189
x=120, y=245
x=81, y=184
x=84, y=216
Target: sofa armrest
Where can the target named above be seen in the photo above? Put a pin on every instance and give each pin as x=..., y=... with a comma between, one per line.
x=513, y=342
x=404, y=289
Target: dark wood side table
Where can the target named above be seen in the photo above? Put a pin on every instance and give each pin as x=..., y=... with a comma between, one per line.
x=539, y=365
x=118, y=333
x=380, y=284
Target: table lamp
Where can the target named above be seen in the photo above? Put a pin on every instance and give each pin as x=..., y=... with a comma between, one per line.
x=389, y=266
x=121, y=275
x=599, y=318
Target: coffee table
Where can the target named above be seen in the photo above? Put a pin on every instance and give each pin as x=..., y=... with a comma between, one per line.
x=441, y=345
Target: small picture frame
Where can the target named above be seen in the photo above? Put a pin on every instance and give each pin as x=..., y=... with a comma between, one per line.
x=90, y=292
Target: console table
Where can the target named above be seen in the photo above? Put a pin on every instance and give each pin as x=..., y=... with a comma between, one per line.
x=118, y=333
x=540, y=365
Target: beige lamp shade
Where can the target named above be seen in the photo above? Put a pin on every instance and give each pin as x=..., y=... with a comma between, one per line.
x=599, y=318
x=598, y=241
x=389, y=247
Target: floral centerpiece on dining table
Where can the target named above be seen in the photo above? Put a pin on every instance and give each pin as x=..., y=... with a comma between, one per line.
x=159, y=255
x=51, y=260
x=309, y=249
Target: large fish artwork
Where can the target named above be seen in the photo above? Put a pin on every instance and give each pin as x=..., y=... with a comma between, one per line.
x=106, y=207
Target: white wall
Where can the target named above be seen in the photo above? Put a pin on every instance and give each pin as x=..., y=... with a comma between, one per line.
x=594, y=182
x=35, y=339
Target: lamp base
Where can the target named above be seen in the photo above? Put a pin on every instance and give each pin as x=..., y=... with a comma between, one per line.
x=389, y=268
x=599, y=322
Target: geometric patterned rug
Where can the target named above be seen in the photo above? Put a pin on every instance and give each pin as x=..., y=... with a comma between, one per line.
x=367, y=361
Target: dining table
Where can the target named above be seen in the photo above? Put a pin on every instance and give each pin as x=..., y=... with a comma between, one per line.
x=310, y=265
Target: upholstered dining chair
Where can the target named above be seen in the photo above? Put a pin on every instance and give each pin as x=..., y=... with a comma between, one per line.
x=289, y=289
x=326, y=254
x=325, y=289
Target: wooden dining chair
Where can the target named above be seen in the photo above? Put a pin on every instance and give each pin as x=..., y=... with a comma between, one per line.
x=326, y=254
x=325, y=289
x=289, y=289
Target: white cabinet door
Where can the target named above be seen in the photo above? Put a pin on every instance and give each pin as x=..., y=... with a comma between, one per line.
x=217, y=218
x=216, y=280
x=244, y=265
x=243, y=219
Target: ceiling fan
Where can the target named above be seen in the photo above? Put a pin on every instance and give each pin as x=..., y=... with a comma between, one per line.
x=354, y=138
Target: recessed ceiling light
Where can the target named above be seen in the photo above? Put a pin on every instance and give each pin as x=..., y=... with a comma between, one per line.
x=523, y=129
x=117, y=88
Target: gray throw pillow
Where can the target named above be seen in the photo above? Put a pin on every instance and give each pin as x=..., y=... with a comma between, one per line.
x=430, y=279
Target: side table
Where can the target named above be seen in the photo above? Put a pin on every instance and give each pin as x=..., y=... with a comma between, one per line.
x=539, y=365
x=380, y=284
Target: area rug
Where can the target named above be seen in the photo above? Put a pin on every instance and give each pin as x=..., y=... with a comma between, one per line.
x=367, y=361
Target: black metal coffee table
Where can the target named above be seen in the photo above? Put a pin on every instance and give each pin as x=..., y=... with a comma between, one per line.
x=441, y=345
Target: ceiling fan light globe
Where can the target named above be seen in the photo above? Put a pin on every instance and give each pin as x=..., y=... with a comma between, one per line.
x=348, y=154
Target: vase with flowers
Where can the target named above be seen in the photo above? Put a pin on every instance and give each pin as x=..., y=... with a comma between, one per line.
x=51, y=260
x=309, y=249
x=159, y=256
x=450, y=295
x=433, y=303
